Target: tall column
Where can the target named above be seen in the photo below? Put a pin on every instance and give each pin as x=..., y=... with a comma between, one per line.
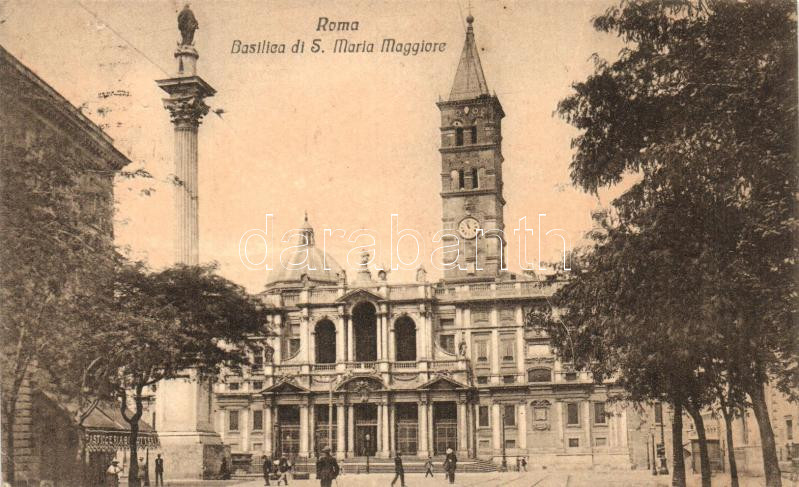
x=496, y=428
x=391, y=427
x=341, y=428
x=268, y=430
x=587, y=428
x=340, y=340
x=422, y=433
x=392, y=341
x=244, y=427
x=431, y=446
x=560, y=423
x=381, y=327
x=350, y=340
x=350, y=430
x=304, y=430
x=495, y=352
x=380, y=441
x=312, y=425
x=305, y=345
x=520, y=353
x=463, y=431
x=522, y=426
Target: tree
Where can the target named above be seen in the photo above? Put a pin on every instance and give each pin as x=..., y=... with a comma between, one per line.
x=699, y=109
x=184, y=317
x=54, y=246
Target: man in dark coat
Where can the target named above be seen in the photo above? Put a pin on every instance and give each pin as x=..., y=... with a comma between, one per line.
x=267, y=469
x=326, y=468
x=399, y=472
x=159, y=471
x=450, y=464
x=283, y=469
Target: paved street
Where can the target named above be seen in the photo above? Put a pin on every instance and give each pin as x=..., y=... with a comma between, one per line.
x=530, y=479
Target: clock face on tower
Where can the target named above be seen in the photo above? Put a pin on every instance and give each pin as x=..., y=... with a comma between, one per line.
x=468, y=227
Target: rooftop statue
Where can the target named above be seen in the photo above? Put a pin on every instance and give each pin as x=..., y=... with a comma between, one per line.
x=187, y=24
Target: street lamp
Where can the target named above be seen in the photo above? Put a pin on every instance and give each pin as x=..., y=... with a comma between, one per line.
x=367, y=438
x=654, y=462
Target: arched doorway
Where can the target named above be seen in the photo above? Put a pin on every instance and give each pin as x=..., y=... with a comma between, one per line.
x=325, y=342
x=364, y=320
x=405, y=338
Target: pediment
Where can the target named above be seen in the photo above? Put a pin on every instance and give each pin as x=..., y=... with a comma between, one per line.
x=360, y=295
x=442, y=383
x=286, y=387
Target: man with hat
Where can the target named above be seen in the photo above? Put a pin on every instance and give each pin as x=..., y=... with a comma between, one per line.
x=112, y=474
x=326, y=468
x=283, y=470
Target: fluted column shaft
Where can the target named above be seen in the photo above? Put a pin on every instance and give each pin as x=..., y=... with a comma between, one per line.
x=186, y=216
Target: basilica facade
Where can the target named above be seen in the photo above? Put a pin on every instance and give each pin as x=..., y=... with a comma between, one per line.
x=369, y=367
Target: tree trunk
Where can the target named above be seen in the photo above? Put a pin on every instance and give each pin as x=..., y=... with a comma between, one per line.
x=678, y=467
x=696, y=414
x=133, y=469
x=81, y=454
x=727, y=413
x=771, y=466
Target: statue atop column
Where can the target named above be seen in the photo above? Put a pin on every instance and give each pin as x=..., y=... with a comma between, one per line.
x=187, y=24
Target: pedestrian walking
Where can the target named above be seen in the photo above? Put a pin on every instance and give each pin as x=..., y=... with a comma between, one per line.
x=112, y=474
x=326, y=468
x=399, y=471
x=428, y=467
x=450, y=465
x=267, y=469
x=159, y=471
x=142, y=472
x=518, y=464
x=524, y=463
x=283, y=468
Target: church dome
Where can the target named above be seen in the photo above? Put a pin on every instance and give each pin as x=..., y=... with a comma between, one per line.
x=306, y=262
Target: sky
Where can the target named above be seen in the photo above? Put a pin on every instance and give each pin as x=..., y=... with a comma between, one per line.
x=349, y=138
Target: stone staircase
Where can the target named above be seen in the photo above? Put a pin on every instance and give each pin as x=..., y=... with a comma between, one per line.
x=357, y=465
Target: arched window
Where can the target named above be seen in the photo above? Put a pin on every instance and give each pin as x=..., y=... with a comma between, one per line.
x=325, y=342
x=475, y=181
x=405, y=335
x=539, y=375
x=461, y=179
x=364, y=318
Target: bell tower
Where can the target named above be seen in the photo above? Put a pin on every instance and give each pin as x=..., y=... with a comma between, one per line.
x=471, y=170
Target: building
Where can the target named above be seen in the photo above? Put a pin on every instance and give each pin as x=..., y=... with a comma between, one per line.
x=369, y=367
x=38, y=124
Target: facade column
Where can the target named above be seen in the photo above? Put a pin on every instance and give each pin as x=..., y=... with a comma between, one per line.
x=312, y=344
x=391, y=428
x=268, y=430
x=350, y=340
x=587, y=428
x=341, y=427
x=311, y=429
x=422, y=433
x=350, y=430
x=496, y=429
x=303, y=430
x=340, y=340
x=430, y=427
x=244, y=428
x=520, y=354
x=419, y=333
x=521, y=428
x=305, y=340
x=380, y=440
x=392, y=342
x=463, y=430
x=495, y=351
x=381, y=355
x=560, y=423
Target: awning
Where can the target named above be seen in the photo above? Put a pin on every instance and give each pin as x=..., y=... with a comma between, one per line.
x=107, y=430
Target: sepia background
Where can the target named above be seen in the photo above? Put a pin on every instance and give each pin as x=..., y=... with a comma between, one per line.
x=351, y=138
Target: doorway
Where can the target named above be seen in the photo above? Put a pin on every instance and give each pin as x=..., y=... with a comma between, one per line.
x=365, y=429
x=445, y=427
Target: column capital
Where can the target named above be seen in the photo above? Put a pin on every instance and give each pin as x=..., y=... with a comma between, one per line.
x=186, y=111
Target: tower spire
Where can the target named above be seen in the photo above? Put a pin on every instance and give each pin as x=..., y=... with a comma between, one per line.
x=469, y=80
